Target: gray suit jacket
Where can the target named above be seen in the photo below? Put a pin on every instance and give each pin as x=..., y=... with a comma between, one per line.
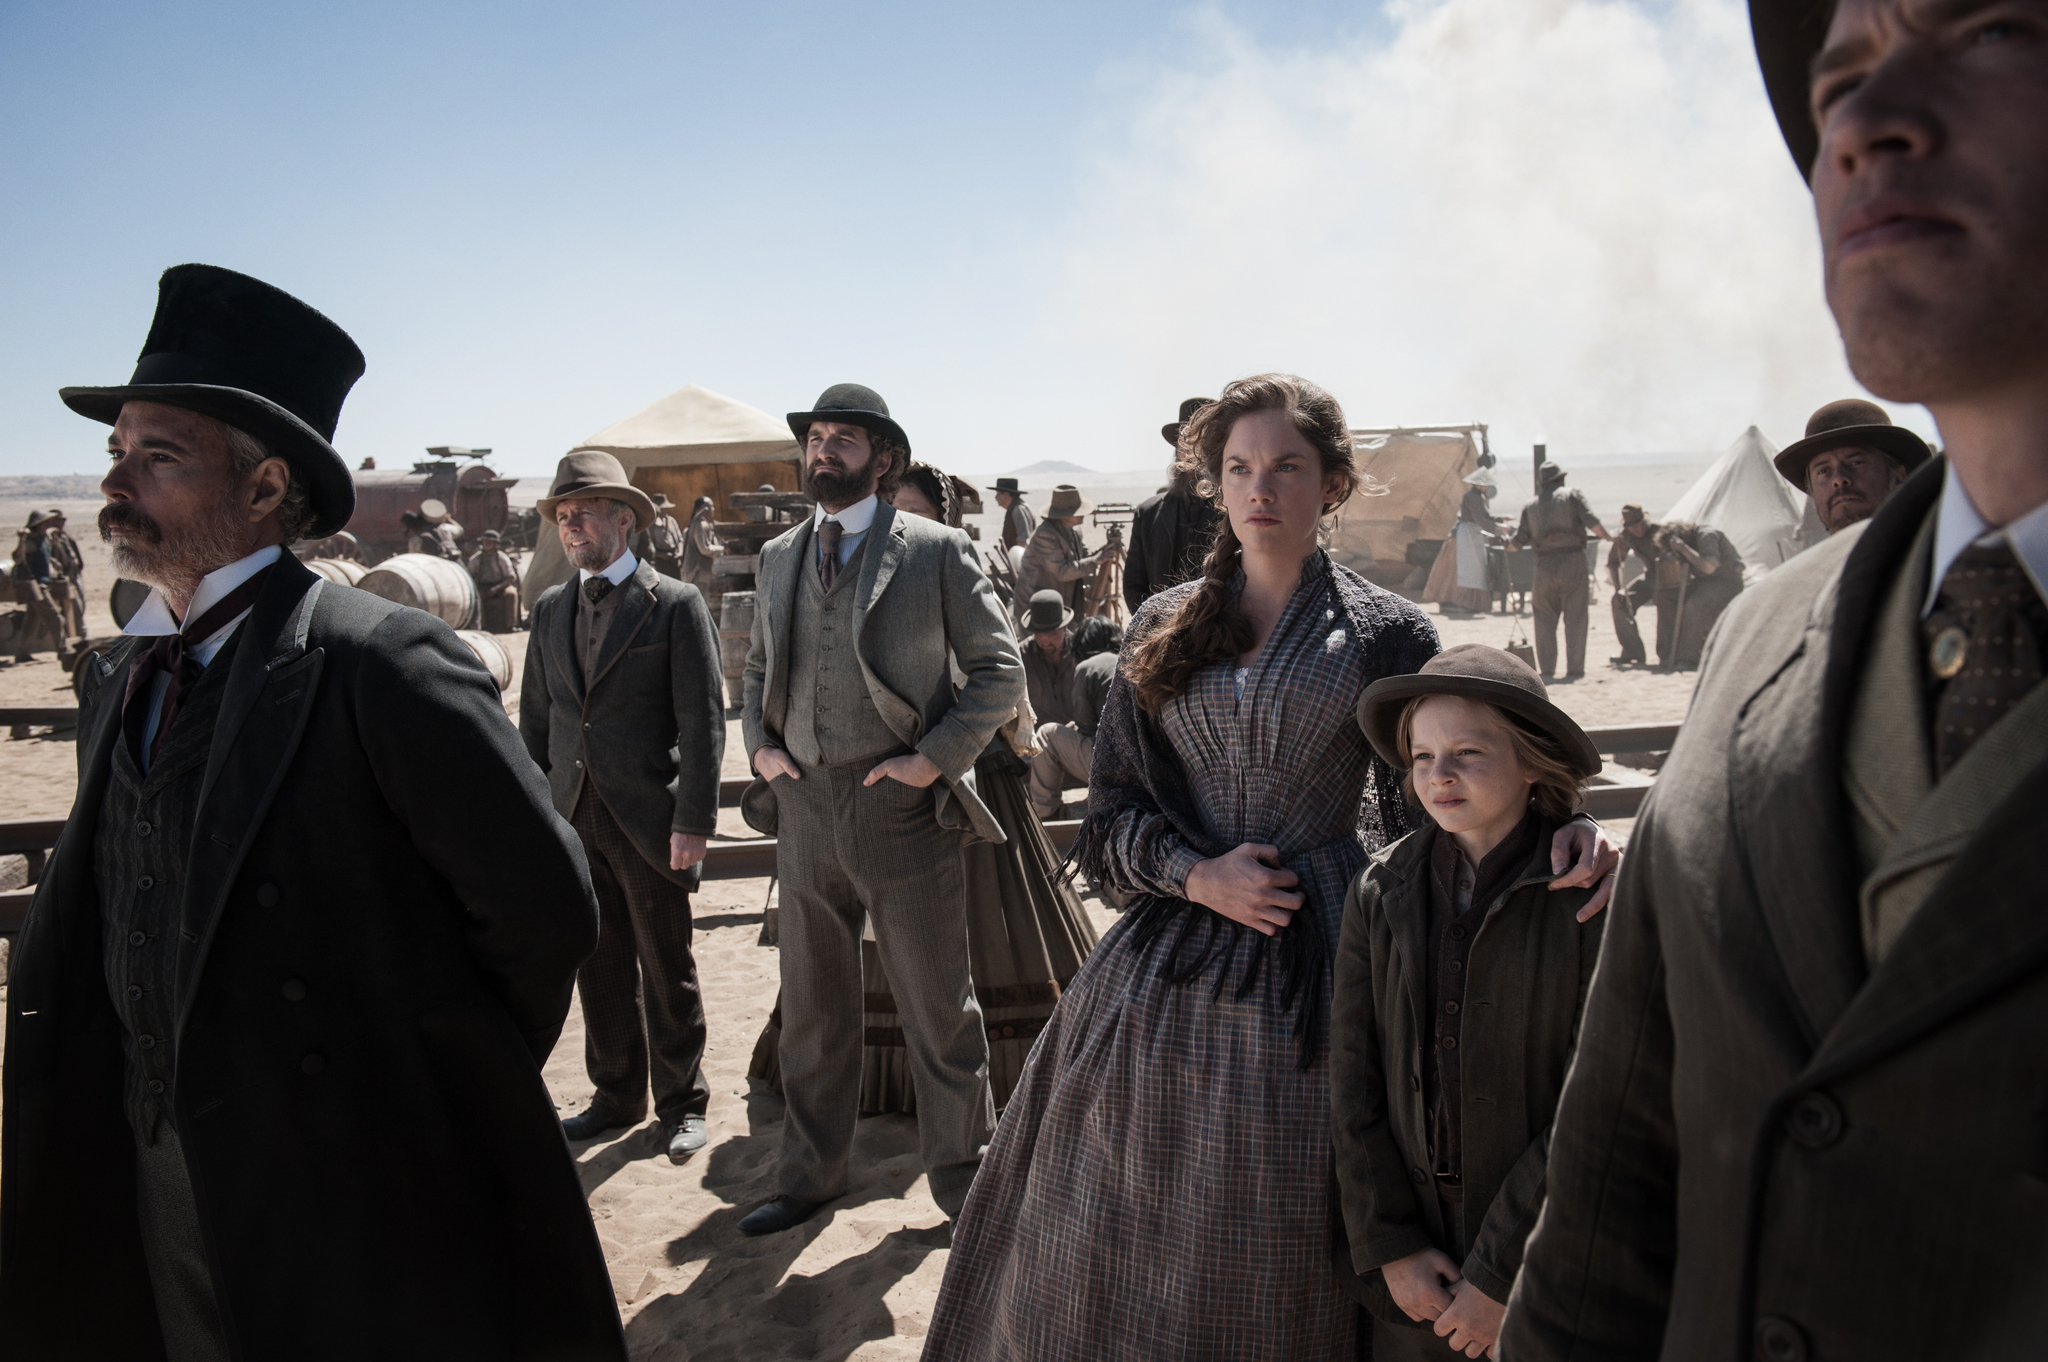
x=650, y=731
x=920, y=594
x=1767, y=1145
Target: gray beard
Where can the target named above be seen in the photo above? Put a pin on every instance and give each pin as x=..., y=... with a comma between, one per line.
x=176, y=565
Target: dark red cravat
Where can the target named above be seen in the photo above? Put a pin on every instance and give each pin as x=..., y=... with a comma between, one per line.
x=168, y=655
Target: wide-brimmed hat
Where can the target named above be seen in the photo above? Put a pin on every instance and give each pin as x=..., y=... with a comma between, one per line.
x=1548, y=473
x=594, y=473
x=38, y=519
x=1788, y=35
x=1171, y=430
x=661, y=499
x=1007, y=485
x=1066, y=500
x=1631, y=512
x=1481, y=477
x=1851, y=421
x=855, y=406
x=1048, y=611
x=1475, y=672
x=236, y=349
x=433, y=511
x=490, y=534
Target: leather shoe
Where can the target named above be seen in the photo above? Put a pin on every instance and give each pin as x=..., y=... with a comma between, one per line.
x=595, y=1122
x=785, y=1212
x=686, y=1137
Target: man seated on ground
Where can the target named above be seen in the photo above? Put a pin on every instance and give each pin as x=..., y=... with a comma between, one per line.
x=1085, y=664
x=1852, y=458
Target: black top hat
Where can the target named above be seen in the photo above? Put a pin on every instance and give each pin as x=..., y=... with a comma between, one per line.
x=1171, y=430
x=1476, y=672
x=1851, y=421
x=236, y=349
x=1007, y=485
x=1788, y=36
x=854, y=405
x=1048, y=611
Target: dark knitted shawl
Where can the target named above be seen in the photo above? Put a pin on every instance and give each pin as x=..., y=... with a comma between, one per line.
x=1135, y=767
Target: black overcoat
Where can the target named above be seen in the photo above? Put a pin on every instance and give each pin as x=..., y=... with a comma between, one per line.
x=1768, y=1148
x=378, y=1168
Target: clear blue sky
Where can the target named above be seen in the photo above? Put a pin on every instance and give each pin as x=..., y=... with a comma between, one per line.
x=535, y=218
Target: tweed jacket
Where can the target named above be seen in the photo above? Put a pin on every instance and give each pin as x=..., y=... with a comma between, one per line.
x=1768, y=1146
x=372, y=972
x=1527, y=973
x=920, y=593
x=649, y=732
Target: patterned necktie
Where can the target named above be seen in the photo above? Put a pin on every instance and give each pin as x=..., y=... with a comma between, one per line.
x=596, y=589
x=1984, y=641
x=828, y=552
x=169, y=654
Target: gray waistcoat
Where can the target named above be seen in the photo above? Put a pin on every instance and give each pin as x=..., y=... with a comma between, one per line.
x=139, y=856
x=832, y=720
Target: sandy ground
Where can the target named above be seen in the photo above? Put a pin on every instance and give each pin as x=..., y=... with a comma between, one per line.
x=857, y=1282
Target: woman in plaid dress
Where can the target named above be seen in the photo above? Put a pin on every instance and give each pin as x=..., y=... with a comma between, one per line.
x=1161, y=1183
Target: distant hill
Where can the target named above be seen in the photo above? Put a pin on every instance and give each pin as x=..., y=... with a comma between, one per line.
x=49, y=487
x=1044, y=466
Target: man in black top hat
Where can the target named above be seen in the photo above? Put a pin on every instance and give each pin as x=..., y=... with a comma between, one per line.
x=1558, y=525
x=276, y=1019
x=1805, y=1119
x=1851, y=460
x=1172, y=531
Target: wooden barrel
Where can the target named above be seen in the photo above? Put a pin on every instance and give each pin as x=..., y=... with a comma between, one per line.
x=491, y=653
x=736, y=613
x=339, y=571
x=424, y=582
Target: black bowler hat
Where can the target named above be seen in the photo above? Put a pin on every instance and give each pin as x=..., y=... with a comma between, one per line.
x=1187, y=411
x=855, y=406
x=1049, y=611
x=1851, y=421
x=236, y=349
x=1475, y=672
x=1788, y=36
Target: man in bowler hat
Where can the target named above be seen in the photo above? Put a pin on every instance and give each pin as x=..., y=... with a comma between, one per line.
x=1557, y=524
x=865, y=744
x=276, y=1019
x=1171, y=531
x=1805, y=1120
x=622, y=705
x=1851, y=460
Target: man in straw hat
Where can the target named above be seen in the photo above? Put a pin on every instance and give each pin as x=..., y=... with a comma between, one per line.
x=1020, y=522
x=497, y=583
x=1851, y=460
x=622, y=705
x=1171, y=531
x=276, y=1019
x=1056, y=559
x=1805, y=1118
x=863, y=745
x=1558, y=524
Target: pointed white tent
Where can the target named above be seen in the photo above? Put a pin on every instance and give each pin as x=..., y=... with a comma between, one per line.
x=1742, y=496
x=692, y=443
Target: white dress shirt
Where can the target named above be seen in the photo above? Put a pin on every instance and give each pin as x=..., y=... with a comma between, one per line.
x=853, y=523
x=154, y=619
x=622, y=567
x=1959, y=526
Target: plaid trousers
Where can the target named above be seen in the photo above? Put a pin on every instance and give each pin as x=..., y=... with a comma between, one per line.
x=642, y=965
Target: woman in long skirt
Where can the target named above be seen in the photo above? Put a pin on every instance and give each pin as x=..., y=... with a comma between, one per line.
x=1027, y=933
x=1161, y=1184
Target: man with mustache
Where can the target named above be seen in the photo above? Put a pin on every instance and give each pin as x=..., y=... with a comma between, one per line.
x=276, y=1019
x=1852, y=458
x=863, y=746
x=1805, y=1119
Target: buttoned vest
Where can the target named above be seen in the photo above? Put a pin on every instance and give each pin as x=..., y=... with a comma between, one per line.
x=832, y=719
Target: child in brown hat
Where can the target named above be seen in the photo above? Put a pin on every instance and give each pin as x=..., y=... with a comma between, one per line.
x=1458, y=984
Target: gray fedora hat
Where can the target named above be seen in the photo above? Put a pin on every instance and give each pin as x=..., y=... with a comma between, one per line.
x=1851, y=421
x=1476, y=672
x=594, y=473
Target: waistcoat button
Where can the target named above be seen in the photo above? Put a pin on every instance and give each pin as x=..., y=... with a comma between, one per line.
x=1780, y=1340
x=1450, y=1042
x=1816, y=1120
x=156, y=1085
x=294, y=990
x=145, y=883
x=267, y=895
x=1451, y=1008
x=142, y=829
x=136, y=938
x=146, y=1042
x=135, y=993
x=312, y=1064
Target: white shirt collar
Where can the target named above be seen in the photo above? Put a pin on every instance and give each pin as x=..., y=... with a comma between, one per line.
x=154, y=616
x=855, y=519
x=1959, y=525
x=622, y=567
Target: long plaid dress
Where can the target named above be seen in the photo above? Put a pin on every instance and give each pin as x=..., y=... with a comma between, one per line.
x=1161, y=1184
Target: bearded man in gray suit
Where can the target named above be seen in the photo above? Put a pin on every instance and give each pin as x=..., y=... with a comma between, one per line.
x=858, y=731
x=1805, y=1119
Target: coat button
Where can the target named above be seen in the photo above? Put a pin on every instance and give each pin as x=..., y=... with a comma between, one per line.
x=136, y=938
x=145, y=883
x=1816, y=1120
x=312, y=1064
x=156, y=1085
x=146, y=1042
x=1457, y=966
x=1457, y=933
x=294, y=990
x=142, y=829
x=1780, y=1340
x=267, y=895
x=135, y=993
x=1450, y=1042
x=1451, y=1008
x=1418, y=1175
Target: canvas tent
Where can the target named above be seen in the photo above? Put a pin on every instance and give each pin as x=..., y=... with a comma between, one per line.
x=1742, y=495
x=692, y=443
x=1423, y=470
